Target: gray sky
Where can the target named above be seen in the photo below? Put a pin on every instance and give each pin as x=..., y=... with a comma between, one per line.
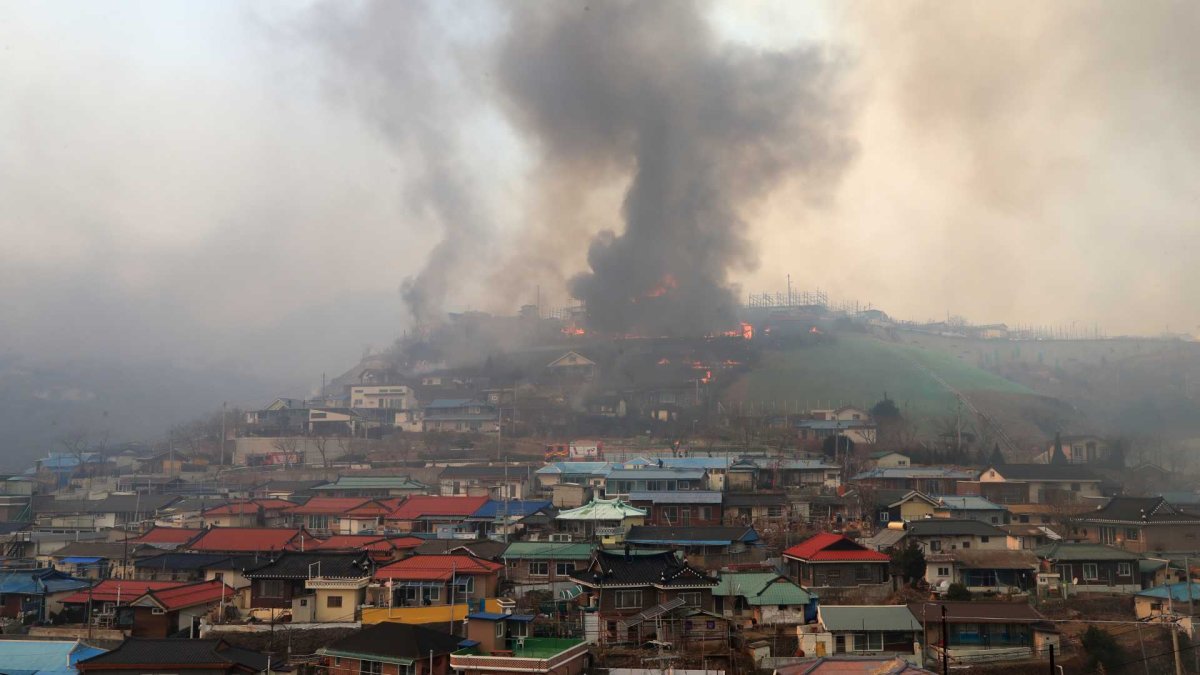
x=199, y=182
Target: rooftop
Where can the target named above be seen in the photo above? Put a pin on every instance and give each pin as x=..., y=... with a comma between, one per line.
x=976, y=611
x=677, y=497
x=935, y=527
x=762, y=588
x=167, y=535
x=610, y=568
x=1061, y=550
x=1044, y=472
x=117, y=590
x=437, y=567
x=245, y=539
x=420, y=506
x=917, y=472
x=830, y=547
x=295, y=565
x=534, y=648
x=694, y=535
x=183, y=596
x=868, y=618
x=602, y=509
x=372, y=483
x=1176, y=592
x=539, y=550
x=398, y=642
x=136, y=653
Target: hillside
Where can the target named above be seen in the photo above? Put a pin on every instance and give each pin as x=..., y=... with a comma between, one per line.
x=855, y=368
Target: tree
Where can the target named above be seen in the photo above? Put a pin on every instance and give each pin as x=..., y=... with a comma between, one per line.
x=908, y=562
x=958, y=592
x=997, y=458
x=321, y=443
x=1102, y=649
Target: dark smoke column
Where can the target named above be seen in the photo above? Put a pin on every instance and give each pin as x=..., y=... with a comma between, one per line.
x=703, y=128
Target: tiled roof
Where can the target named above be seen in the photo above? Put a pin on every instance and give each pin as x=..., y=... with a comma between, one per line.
x=968, y=503
x=512, y=472
x=181, y=561
x=597, y=469
x=513, y=508
x=1044, y=472
x=117, y=590
x=917, y=472
x=395, y=641
x=245, y=539
x=295, y=565
x=761, y=588
x=167, y=535
x=829, y=547
x=656, y=474
x=237, y=508
x=663, y=570
x=1140, y=510
x=755, y=499
x=188, y=595
x=419, y=506
x=366, y=542
x=372, y=483
x=437, y=567
x=602, y=509
x=1062, y=550
x=164, y=653
x=484, y=549
x=329, y=506
x=1002, y=559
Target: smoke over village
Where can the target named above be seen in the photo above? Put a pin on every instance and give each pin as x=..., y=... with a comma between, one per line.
x=605, y=336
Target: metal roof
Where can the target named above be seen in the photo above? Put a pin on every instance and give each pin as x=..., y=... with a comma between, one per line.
x=676, y=496
x=547, y=550
x=868, y=618
x=656, y=474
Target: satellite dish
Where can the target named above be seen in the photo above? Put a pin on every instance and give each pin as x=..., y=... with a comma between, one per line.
x=1075, y=580
x=944, y=585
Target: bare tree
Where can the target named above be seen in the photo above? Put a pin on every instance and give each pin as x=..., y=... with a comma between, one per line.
x=288, y=446
x=321, y=442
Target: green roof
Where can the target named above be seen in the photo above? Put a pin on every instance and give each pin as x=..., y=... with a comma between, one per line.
x=1061, y=550
x=548, y=550
x=373, y=482
x=868, y=618
x=762, y=588
x=602, y=509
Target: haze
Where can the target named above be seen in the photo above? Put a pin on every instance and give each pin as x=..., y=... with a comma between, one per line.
x=269, y=188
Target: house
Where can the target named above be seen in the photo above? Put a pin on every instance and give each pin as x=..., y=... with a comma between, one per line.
x=544, y=563
x=762, y=510
x=96, y=559
x=502, y=517
x=763, y=598
x=290, y=489
x=323, y=516
x=832, y=564
x=1142, y=524
x=877, y=630
x=982, y=570
x=848, y=422
x=1166, y=602
x=784, y=473
x=136, y=656
x=971, y=508
x=590, y=474
x=162, y=612
x=680, y=508
x=104, y=599
x=1047, y=483
x=437, y=580
x=382, y=549
x=1078, y=449
x=44, y=657
x=36, y=593
x=187, y=513
x=314, y=587
x=281, y=417
x=390, y=648
x=390, y=397
x=890, y=459
x=629, y=590
x=914, y=505
x=166, y=538
x=705, y=547
x=501, y=642
x=421, y=513
x=935, y=535
x=248, y=513
x=987, y=632
x=498, y=481
x=99, y=514
x=248, y=540
x=606, y=520
x=183, y=566
x=1093, y=568
x=622, y=482
x=929, y=480
x=371, y=487
x=1028, y=536
x=460, y=414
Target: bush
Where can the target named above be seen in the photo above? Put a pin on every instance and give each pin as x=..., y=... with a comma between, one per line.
x=958, y=592
x=1102, y=649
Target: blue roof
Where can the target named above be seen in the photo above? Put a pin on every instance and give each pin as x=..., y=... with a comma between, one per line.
x=81, y=560
x=655, y=474
x=1177, y=592
x=593, y=468
x=452, y=403
x=488, y=616
x=44, y=657
x=682, y=462
x=495, y=508
x=39, y=582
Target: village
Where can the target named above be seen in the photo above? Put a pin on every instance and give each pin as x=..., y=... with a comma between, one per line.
x=444, y=522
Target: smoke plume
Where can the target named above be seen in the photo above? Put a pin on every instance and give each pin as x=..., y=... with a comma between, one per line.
x=702, y=131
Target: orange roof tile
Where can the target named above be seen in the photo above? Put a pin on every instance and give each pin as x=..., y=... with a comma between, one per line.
x=124, y=591
x=423, y=567
x=246, y=539
x=190, y=595
x=420, y=505
x=329, y=505
x=167, y=535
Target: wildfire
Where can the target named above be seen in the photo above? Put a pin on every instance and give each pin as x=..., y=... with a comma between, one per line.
x=666, y=285
x=745, y=331
x=573, y=330
x=664, y=361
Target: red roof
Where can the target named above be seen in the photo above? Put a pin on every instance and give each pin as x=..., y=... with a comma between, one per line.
x=369, y=542
x=167, y=535
x=371, y=509
x=272, y=504
x=245, y=539
x=829, y=547
x=190, y=595
x=246, y=507
x=421, y=505
x=436, y=567
x=127, y=590
x=332, y=506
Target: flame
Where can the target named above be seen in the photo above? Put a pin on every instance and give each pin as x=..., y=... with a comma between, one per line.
x=664, y=361
x=573, y=330
x=747, y=331
x=814, y=330
x=666, y=285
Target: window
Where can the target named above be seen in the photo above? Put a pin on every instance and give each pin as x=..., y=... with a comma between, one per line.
x=868, y=642
x=1023, y=519
x=1090, y=571
x=628, y=599
x=1132, y=533
x=464, y=585
x=1075, y=487
x=1108, y=535
x=705, y=513
x=984, y=540
x=370, y=668
x=1156, y=607
x=966, y=544
x=1124, y=569
x=995, y=520
x=690, y=599
x=563, y=569
x=862, y=573
x=271, y=588
x=935, y=545
x=774, y=511
x=333, y=601
x=943, y=571
x=884, y=516
x=499, y=629
x=670, y=514
x=539, y=569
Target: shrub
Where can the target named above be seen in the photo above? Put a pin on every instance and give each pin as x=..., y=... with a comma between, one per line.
x=958, y=592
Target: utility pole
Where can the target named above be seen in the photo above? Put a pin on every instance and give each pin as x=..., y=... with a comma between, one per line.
x=1051, y=659
x=945, y=645
x=224, y=406
x=1175, y=649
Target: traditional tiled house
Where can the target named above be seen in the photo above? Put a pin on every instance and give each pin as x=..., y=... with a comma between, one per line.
x=1142, y=524
x=1094, y=568
x=763, y=598
x=391, y=648
x=437, y=580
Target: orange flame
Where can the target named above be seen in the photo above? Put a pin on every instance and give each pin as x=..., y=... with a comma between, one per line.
x=665, y=286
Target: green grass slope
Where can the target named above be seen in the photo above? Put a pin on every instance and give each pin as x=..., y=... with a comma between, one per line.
x=857, y=370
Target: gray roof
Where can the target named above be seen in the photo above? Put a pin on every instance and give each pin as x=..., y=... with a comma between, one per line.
x=933, y=527
x=883, y=539
x=677, y=497
x=868, y=618
x=969, y=503
x=656, y=474
x=1045, y=472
